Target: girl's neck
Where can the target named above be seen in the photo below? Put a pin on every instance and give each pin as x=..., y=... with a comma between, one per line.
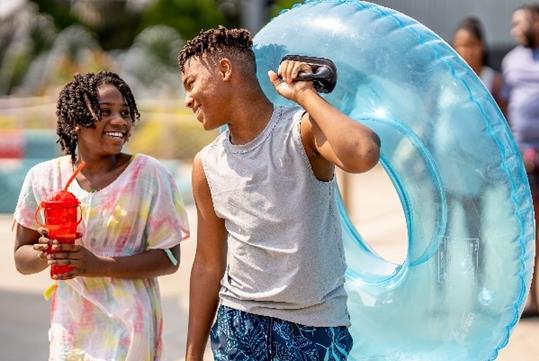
x=99, y=173
x=96, y=165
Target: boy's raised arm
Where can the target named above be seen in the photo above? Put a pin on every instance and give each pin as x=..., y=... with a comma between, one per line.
x=339, y=139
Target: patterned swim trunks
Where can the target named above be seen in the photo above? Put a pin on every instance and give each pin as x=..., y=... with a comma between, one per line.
x=242, y=336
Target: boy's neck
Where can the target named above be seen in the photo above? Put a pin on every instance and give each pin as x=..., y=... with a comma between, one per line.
x=250, y=119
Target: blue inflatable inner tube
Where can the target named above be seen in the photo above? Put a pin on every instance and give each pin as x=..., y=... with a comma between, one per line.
x=452, y=159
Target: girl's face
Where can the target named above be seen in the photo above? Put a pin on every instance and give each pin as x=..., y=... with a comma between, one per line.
x=469, y=47
x=111, y=131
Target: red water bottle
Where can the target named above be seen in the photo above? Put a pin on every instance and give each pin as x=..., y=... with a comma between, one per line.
x=62, y=216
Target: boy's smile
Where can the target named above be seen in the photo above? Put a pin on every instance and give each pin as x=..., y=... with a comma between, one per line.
x=203, y=92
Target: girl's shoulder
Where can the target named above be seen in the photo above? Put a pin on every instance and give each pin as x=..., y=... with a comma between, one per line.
x=51, y=167
x=144, y=166
x=147, y=163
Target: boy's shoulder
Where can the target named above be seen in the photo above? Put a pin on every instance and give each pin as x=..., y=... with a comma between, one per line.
x=287, y=116
x=221, y=137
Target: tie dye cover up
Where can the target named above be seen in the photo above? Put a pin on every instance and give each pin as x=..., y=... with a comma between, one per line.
x=106, y=318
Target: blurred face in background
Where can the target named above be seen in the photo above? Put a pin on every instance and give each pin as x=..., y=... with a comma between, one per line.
x=524, y=27
x=470, y=48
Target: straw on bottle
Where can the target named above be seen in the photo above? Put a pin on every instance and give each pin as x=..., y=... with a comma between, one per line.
x=77, y=170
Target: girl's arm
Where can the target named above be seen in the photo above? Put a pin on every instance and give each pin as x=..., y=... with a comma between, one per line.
x=151, y=263
x=29, y=251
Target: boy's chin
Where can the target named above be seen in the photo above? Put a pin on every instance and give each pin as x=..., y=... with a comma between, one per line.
x=211, y=126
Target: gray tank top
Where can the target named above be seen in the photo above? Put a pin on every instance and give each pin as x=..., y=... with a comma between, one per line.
x=285, y=252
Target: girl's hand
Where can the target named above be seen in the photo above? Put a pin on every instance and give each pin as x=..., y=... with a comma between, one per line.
x=83, y=262
x=284, y=83
x=44, y=244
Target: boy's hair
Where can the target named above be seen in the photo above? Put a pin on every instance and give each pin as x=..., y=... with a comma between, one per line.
x=221, y=42
x=78, y=106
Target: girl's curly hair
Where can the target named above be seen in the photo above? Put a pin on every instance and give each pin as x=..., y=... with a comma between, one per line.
x=221, y=42
x=78, y=106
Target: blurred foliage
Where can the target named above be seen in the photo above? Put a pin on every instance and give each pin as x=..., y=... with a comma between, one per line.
x=187, y=16
x=23, y=38
x=280, y=5
x=45, y=42
x=58, y=10
x=113, y=23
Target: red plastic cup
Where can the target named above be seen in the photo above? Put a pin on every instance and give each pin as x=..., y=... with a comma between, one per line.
x=62, y=217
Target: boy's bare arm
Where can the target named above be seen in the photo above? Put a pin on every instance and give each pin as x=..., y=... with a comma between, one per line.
x=339, y=139
x=208, y=266
x=326, y=131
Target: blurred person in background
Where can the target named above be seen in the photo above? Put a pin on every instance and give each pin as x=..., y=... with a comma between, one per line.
x=469, y=42
x=520, y=68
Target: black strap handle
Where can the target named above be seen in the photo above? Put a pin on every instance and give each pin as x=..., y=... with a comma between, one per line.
x=324, y=73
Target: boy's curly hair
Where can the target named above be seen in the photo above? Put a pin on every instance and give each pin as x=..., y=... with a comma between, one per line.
x=78, y=106
x=221, y=42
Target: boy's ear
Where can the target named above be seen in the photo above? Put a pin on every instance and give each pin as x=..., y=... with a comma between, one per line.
x=225, y=68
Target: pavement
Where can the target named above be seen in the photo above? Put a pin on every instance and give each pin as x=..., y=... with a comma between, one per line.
x=24, y=313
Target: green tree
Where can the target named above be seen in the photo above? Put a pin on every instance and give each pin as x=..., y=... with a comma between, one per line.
x=113, y=23
x=188, y=17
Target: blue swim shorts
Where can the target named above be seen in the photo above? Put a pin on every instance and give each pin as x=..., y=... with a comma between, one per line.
x=243, y=336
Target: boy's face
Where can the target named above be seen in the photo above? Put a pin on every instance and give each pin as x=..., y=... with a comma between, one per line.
x=204, y=91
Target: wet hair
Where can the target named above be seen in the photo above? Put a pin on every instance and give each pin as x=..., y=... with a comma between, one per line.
x=221, y=42
x=78, y=106
x=473, y=26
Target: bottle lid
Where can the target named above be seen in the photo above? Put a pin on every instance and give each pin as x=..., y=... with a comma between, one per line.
x=62, y=199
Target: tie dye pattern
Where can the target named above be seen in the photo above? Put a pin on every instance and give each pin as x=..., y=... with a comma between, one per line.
x=110, y=318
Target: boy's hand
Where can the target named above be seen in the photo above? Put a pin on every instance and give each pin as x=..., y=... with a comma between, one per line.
x=284, y=80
